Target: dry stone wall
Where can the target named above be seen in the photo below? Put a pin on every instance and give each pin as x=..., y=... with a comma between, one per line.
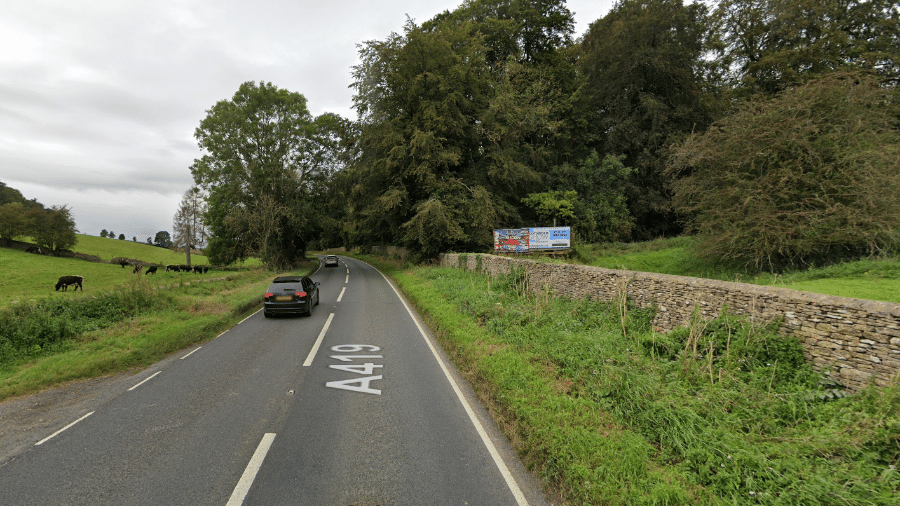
x=855, y=341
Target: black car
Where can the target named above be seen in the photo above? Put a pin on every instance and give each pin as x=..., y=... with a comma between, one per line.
x=291, y=294
x=331, y=261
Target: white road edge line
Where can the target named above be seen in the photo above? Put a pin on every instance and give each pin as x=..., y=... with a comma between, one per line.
x=146, y=380
x=342, y=294
x=315, y=348
x=51, y=436
x=245, y=319
x=243, y=486
x=498, y=460
x=191, y=353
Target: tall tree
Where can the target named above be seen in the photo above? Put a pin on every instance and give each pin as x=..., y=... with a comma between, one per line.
x=190, y=231
x=646, y=86
x=53, y=228
x=256, y=171
x=418, y=139
x=458, y=121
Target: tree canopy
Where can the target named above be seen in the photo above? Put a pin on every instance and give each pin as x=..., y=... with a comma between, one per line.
x=458, y=123
x=261, y=153
x=162, y=239
x=53, y=228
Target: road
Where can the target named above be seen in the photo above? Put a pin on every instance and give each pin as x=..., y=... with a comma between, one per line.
x=354, y=405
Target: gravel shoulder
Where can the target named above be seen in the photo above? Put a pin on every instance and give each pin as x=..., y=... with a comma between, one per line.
x=28, y=419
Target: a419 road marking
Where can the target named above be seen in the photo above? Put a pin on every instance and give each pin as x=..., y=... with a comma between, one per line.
x=365, y=369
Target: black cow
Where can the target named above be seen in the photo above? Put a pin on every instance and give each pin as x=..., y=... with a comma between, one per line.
x=65, y=281
x=33, y=249
x=150, y=270
x=137, y=269
x=172, y=268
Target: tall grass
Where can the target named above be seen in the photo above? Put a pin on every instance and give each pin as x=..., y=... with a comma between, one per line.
x=608, y=412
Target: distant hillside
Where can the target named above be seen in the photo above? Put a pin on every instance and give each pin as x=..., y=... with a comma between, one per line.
x=107, y=249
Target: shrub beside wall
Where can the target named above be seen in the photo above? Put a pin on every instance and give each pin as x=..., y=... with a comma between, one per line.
x=855, y=341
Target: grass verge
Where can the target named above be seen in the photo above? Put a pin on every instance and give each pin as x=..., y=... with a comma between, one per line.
x=607, y=412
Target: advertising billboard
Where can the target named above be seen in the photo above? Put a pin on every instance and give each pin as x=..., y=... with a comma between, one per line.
x=550, y=238
x=523, y=240
x=511, y=240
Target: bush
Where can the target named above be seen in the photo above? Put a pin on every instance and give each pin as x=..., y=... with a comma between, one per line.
x=806, y=177
x=40, y=326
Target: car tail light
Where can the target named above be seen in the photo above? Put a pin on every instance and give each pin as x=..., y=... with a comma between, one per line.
x=268, y=295
x=300, y=294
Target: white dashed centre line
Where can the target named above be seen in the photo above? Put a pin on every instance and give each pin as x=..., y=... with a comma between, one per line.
x=342, y=294
x=315, y=348
x=347, y=279
x=51, y=436
x=243, y=486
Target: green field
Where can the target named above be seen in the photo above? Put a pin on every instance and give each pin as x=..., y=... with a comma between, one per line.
x=27, y=276
x=107, y=249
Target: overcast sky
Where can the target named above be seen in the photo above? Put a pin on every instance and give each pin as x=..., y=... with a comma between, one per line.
x=99, y=99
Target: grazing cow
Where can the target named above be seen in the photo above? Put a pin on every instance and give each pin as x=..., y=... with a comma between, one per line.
x=150, y=270
x=65, y=281
x=33, y=249
x=198, y=269
x=137, y=269
x=205, y=269
x=171, y=268
x=184, y=268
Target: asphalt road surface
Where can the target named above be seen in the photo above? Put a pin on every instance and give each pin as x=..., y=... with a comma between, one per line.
x=353, y=406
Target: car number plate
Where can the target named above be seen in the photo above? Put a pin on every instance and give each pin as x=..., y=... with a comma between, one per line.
x=284, y=298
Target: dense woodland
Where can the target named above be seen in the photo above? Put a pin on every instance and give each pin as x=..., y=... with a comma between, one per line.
x=768, y=129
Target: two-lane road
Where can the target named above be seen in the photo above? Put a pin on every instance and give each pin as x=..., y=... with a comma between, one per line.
x=354, y=405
